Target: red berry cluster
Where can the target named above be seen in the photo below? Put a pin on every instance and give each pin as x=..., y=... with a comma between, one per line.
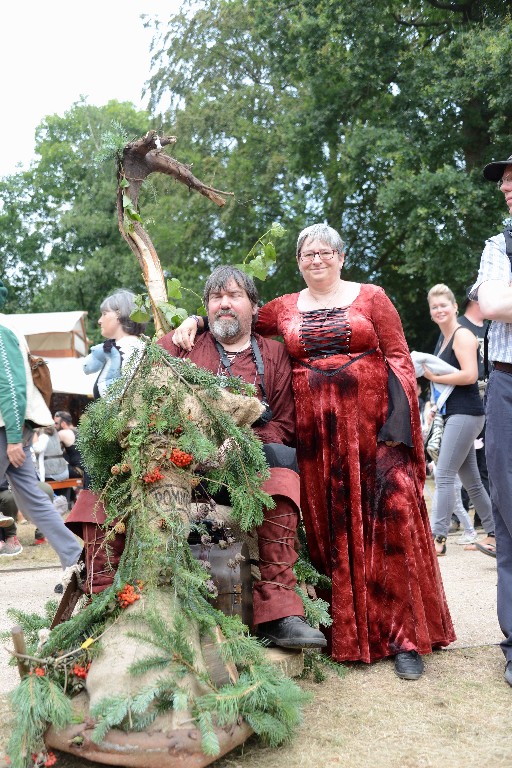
x=153, y=476
x=180, y=458
x=39, y=671
x=129, y=594
x=43, y=759
x=81, y=672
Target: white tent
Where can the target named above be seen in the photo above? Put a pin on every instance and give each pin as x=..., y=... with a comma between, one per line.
x=54, y=334
x=61, y=338
x=68, y=376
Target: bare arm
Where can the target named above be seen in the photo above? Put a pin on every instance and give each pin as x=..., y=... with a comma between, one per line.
x=495, y=300
x=465, y=346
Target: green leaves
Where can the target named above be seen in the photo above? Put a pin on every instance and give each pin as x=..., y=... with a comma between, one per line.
x=262, y=257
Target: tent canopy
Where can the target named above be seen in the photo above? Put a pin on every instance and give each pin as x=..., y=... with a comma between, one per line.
x=68, y=376
x=54, y=334
x=61, y=338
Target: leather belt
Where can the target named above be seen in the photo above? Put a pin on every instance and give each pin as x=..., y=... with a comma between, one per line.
x=505, y=367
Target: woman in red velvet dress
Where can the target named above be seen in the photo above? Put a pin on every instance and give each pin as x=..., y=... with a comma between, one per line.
x=361, y=459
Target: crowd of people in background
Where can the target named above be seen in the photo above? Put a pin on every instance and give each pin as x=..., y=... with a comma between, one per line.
x=359, y=426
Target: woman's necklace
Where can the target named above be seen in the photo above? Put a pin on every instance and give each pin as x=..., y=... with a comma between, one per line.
x=329, y=300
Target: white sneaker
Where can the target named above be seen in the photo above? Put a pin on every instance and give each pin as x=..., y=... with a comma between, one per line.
x=466, y=538
x=11, y=547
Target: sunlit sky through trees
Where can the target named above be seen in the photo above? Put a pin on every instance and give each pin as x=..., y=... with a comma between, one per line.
x=55, y=52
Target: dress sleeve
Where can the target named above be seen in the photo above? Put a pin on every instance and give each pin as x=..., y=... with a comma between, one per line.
x=266, y=324
x=388, y=327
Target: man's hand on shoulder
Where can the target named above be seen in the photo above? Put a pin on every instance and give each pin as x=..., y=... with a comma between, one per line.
x=15, y=454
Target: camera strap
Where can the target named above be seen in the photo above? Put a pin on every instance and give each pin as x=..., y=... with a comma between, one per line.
x=258, y=361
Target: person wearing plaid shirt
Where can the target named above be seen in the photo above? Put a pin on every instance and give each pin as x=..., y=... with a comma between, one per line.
x=493, y=289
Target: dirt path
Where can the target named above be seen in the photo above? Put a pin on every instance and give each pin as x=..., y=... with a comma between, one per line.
x=457, y=715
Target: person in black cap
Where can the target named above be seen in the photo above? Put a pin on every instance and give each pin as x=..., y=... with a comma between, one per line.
x=493, y=290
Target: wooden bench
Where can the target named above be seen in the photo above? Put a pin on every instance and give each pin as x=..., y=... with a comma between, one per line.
x=73, y=482
x=69, y=488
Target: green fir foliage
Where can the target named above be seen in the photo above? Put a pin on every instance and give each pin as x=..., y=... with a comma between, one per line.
x=143, y=418
x=37, y=702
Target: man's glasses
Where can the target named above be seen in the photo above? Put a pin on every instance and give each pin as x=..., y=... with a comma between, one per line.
x=309, y=256
x=504, y=180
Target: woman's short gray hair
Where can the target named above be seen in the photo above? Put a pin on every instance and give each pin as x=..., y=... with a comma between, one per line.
x=322, y=232
x=221, y=276
x=122, y=302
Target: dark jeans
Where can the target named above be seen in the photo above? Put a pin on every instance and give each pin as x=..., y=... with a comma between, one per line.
x=498, y=448
x=9, y=508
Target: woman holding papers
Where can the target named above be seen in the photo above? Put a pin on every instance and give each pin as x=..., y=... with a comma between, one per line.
x=464, y=417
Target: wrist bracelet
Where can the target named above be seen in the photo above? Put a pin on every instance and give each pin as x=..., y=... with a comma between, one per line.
x=196, y=318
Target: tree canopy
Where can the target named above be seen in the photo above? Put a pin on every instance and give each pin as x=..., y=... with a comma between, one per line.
x=377, y=118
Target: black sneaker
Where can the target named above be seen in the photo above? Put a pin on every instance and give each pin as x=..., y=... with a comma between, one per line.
x=508, y=672
x=409, y=665
x=454, y=524
x=291, y=632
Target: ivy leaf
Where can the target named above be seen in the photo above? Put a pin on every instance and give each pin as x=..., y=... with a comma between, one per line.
x=269, y=254
x=277, y=230
x=258, y=267
x=174, y=315
x=174, y=288
x=139, y=316
x=179, y=316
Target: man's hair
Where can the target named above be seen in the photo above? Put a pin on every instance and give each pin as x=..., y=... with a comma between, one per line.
x=64, y=415
x=440, y=289
x=221, y=276
x=322, y=232
x=122, y=302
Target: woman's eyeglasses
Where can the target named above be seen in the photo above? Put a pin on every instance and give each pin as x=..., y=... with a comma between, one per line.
x=309, y=256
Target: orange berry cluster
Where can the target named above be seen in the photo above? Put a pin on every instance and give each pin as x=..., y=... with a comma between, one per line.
x=129, y=594
x=39, y=671
x=81, y=671
x=40, y=759
x=153, y=476
x=180, y=458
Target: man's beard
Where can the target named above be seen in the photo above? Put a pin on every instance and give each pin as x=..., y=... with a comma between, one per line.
x=225, y=327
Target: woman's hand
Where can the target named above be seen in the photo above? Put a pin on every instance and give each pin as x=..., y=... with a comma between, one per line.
x=185, y=334
x=427, y=373
x=392, y=443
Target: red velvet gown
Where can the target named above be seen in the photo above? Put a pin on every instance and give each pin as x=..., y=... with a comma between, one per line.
x=362, y=501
